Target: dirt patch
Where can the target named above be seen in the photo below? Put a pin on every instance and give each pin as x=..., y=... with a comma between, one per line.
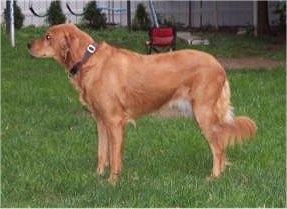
x=249, y=62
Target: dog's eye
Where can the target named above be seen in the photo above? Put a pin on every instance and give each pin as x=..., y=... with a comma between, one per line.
x=47, y=37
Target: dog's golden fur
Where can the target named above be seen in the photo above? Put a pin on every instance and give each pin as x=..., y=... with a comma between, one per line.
x=118, y=85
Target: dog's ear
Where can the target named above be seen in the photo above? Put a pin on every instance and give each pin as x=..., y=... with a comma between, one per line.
x=64, y=49
x=71, y=40
x=69, y=46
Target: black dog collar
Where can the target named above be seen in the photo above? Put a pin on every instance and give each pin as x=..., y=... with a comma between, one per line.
x=91, y=49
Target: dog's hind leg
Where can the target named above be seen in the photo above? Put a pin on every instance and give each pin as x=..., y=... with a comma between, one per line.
x=212, y=131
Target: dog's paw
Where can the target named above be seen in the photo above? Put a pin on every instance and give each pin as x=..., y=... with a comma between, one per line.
x=113, y=179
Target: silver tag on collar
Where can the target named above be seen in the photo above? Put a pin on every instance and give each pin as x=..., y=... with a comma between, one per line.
x=91, y=49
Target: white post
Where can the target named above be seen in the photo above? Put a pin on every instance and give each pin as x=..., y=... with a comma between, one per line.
x=154, y=17
x=12, y=31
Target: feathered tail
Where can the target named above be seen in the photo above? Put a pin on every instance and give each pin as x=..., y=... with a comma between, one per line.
x=234, y=129
x=241, y=128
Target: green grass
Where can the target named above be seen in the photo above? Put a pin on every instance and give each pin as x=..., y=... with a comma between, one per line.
x=229, y=45
x=48, y=141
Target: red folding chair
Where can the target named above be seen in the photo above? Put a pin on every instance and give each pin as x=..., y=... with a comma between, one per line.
x=161, y=39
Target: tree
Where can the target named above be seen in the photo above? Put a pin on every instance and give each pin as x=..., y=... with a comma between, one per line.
x=263, y=18
x=55, y=14
x=141, y=20
x=93, y=16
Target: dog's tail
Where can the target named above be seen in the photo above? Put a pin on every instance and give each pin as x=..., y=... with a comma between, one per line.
x=233, y=129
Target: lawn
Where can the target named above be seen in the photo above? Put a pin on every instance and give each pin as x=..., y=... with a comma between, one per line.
x=48, y=140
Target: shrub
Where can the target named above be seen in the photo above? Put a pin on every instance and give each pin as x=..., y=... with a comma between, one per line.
x=141, y=20
x=55, y=14
x=18, y=16
x=281, y=11
x=93, y=17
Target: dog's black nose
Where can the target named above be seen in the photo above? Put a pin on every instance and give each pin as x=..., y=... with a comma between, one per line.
x=29, y=45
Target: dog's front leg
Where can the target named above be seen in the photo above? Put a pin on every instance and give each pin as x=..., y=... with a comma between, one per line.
x=103, y=155
x=115, y=130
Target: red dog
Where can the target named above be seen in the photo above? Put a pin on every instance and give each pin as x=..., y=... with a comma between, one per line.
x=118, y=85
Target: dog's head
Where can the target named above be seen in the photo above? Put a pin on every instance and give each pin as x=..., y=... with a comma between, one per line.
x=65, y=43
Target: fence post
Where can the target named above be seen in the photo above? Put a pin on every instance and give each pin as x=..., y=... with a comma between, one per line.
x=216, y=15
x=255, y=20
x=189, y=14
x=10, y=21
x=7, y=17
x=129, y=14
